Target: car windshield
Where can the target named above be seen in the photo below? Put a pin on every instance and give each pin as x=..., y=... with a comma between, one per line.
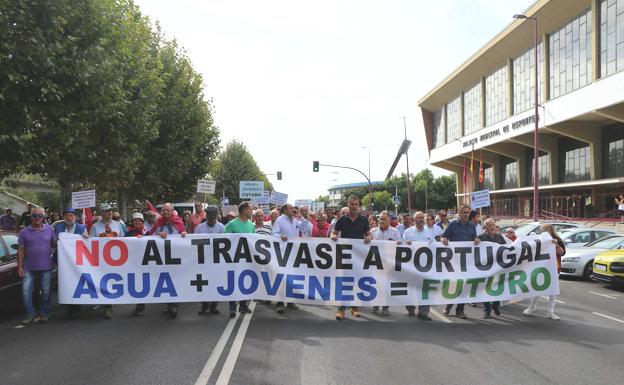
x=608, y=243
x=526, y=229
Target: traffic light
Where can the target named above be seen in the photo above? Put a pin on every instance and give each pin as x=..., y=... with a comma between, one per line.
x=279, y=175
x=315, y=166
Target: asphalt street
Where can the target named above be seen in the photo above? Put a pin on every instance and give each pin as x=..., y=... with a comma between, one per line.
x=308, y=346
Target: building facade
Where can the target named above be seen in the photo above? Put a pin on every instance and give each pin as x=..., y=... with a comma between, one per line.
x=485, y=110
x=336, y=192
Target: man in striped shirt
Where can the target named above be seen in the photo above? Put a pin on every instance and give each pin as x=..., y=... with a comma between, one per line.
x=262, y=227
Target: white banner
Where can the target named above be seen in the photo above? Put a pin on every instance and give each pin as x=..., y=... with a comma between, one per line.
x=251, y=189
x=263, y=200
x=83, y=199
x=479, y=199
x=227, y=267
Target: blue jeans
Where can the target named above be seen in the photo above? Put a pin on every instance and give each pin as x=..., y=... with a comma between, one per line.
x=488, y=306
x=44, y=277
x=232, y=304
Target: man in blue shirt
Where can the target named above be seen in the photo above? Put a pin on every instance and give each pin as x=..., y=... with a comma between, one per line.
x=458, y=231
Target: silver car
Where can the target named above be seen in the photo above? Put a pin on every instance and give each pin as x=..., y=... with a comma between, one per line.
x=533, y=227
x=578, y=262
x=579, y=237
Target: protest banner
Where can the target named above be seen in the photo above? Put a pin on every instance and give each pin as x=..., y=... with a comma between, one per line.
x=83, y=199
x=227, y=267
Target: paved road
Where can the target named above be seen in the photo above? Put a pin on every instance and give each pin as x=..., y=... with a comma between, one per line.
x=307, y=346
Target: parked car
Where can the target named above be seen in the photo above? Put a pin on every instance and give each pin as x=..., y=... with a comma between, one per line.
x=578, y=237
x=10, y=282
x=579, y=261
x=609, y=267
x=533, y=227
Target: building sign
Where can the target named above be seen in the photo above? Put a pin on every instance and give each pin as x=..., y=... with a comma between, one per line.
x=498, y=131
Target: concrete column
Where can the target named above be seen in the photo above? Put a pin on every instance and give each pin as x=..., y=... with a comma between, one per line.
x=545, y=68
x=595, y=48
x=510, y=88
x=483, y=107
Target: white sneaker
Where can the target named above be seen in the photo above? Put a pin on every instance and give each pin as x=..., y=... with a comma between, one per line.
x=553, y=317
x=528, y=311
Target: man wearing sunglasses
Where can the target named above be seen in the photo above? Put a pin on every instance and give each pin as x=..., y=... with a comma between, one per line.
x=34, y=263
x=443, y=222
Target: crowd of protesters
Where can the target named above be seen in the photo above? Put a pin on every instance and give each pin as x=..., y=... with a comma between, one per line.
x=38, y=237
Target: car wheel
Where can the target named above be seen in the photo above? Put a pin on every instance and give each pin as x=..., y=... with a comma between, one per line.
x=587, y=272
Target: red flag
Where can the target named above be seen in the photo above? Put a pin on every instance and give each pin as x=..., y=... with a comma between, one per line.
x=481, y=170
x=88, y=218
x=151, y=207
x=472, y=160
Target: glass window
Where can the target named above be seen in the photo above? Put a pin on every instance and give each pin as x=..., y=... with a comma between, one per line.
x=510, y=177
x=472, y=110
x=574, y=160
x=524, y=79
x=570, y=56
x=453, y=120
x=488, y=178
x=543, y=168
x=613, y=150
x=439, y=128
x=612, y=37
x=11, y=243
x=496, y=96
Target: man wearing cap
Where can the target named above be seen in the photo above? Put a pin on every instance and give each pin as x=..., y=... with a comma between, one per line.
x=34, y=263
x=210, y=226
x=106, y=227
x=69, y=225
x=138, y=226
x=7, y=221
x=138, y=230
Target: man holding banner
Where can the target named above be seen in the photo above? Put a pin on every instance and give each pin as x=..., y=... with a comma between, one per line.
x=210, y=226
x=458, y=231
x=352, y=226
x=286, y=226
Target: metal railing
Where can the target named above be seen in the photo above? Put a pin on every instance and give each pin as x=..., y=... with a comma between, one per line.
x=603, y=216
x=554, y=216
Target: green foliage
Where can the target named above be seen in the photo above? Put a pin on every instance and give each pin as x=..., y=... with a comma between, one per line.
x=233, y=165
x=92, y=96
x=382, y=200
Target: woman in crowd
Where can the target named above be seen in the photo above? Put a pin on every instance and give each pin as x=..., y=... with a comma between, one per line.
x=560, y=253
x=186, y=219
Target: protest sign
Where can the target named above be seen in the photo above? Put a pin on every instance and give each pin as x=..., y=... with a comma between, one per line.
x=303, y=202
x=251, y=189
x=263, y=200
x=479, y=199
x=228, y=267
x=206, y=186
x=278, y=198
x=83, y=199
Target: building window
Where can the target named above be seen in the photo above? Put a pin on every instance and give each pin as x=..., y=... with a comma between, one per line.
x=570, y=56
x=453, y=120
x=510, y=174
x=574, y=160
x=472, y=110
x=613, y=151
x=439, y=128
x=543, y=168
x=496, y=96
x=488, y=178
x=611, y=37
x=524, y=79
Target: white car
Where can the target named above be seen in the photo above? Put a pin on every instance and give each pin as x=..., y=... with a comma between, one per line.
x=533, y=227
x=578, y=262
x=579, y=237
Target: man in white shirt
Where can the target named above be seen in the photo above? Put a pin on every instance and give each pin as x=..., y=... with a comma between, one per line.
x=210, y=226
x=435, y=232
x=305, y=227
x=286, y=226
x=420, y=233
x=384, y=232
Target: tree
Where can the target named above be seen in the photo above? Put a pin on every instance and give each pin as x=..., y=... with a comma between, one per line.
x=382, y=200
x=324, y=199
x=233, y=165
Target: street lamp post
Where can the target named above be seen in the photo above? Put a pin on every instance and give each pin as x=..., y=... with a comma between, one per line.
x=536, y=118
x=315, y=168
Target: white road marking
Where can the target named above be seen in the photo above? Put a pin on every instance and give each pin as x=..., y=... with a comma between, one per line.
x=205, y=374
x=608, y=317
x=440, y=316
x=603, y=295
x=556, y=300
x=230, y=361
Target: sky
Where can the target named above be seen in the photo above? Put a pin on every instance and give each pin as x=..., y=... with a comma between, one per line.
x=299, y=81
